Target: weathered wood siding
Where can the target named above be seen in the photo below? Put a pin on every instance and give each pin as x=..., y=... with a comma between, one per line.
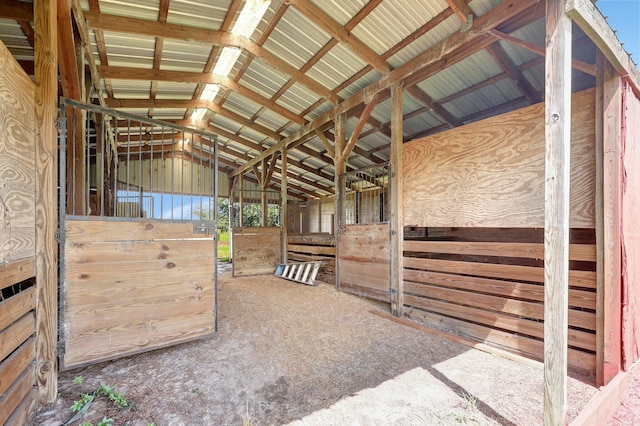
x=364, y=260
x=134, y=286
x=255, y=250
x=17, y=241
x=491, y=173
x=490, y=287
x=310, y=247
x=631, y=228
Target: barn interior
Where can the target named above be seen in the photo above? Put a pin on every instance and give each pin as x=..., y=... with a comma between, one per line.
x=461, y=161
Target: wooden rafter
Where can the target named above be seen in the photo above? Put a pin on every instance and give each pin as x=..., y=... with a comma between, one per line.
x=129, y=73
x=511, y=69
x=68, y=63
x=163, y=12
x=461, y=9
x=438, y=109
x=328, y=24
x=101, y=21
x=16, y=11
x=327, y=145
x=539, y=50
x=358, y=129
x=94, y=6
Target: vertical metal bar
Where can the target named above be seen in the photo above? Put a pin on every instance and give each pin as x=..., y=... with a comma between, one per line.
x=127, y=180
x=215, y=218
x=72, y=182
x=173, y=160
x=182, y=179
x=151, y=186
x=115, y=172
x=140, y=173
x=162, y=165
x=62, y=196
x=191, y=165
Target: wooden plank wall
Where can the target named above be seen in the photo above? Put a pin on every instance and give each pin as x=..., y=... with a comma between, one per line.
x=17, y=241
x=487, y=284
x=255, y=250
x=310, y=247
x=134, y=286
x=631, y=228
x=364, y=260
x=491, y=173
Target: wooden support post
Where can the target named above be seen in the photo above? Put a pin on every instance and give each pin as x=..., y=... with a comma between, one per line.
x=264, y=203
x=46, y=79
x=340, y=168
x=395, y=190
x=600, y=253
x=283, y=202
x=556, y=217
x=612, y=183
x=241, y=201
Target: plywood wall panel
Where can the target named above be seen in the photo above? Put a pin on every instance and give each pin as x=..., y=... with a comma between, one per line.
x=491, y=173
x=17, y=160
x=255, y=250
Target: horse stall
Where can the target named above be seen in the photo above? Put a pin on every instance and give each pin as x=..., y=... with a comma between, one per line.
x=138, y=235
x=474, y=202
x=17, y=241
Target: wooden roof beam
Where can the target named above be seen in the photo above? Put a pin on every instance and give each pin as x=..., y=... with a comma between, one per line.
x=441, y=54
x=16, y=11
x=132, y=73
x=144, y=27
x=461, y=9
x=539, y=50
x=334, y=29
x=68, y=62
x=435, y=107
x=511, y=69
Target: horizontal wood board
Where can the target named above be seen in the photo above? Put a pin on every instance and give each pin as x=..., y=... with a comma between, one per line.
x=17, y=160
x=314, y=247
x=143, y=286
x=364, y=260
x=256, y=251
x=490, y=292
x=491, y=173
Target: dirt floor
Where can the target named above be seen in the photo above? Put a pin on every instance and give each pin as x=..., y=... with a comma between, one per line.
x=286, y=352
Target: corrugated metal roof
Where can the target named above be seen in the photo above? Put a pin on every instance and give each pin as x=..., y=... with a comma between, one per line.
x=174, y=90
x=341, y=11
x=404, y=17
x=336, y=66
x=181, y=55
x=142, y=9
x=297, y=98
x=296, y=39
x=263, y=79
x=202, y=14
x=124, y=52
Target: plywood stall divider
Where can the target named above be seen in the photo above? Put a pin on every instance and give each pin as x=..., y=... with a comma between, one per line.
x=17, y=241
x=474, y=196
x=255, y=250
x=134, y=286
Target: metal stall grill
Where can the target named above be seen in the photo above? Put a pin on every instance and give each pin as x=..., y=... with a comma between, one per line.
x=137, y=234
x=248, y=208
x=367, y=195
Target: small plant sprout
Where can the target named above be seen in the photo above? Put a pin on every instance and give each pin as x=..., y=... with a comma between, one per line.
x=77, y=380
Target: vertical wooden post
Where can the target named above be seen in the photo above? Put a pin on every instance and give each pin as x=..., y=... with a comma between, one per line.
x=395, y=190
x=612, y=204
x=340, y=168
x=264, y=203
x=556, y=217
x=241, y=200
x=600, y=253
x=46, y=79
x=283, y=202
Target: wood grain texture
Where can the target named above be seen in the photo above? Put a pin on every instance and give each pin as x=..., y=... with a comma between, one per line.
x=363, y=257
x=255, y=250
x=491, y=173
x=16, y=334
x=127, y=296
x=17, y=271
x=12, y=367
x=17, y=160
x=16, y=306
x=579, y=361
x=19, y=390
x=631, y=229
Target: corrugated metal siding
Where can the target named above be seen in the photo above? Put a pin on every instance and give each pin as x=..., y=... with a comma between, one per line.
x=15, y=40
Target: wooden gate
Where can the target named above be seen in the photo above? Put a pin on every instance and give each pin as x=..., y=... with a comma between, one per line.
x=133, y=284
